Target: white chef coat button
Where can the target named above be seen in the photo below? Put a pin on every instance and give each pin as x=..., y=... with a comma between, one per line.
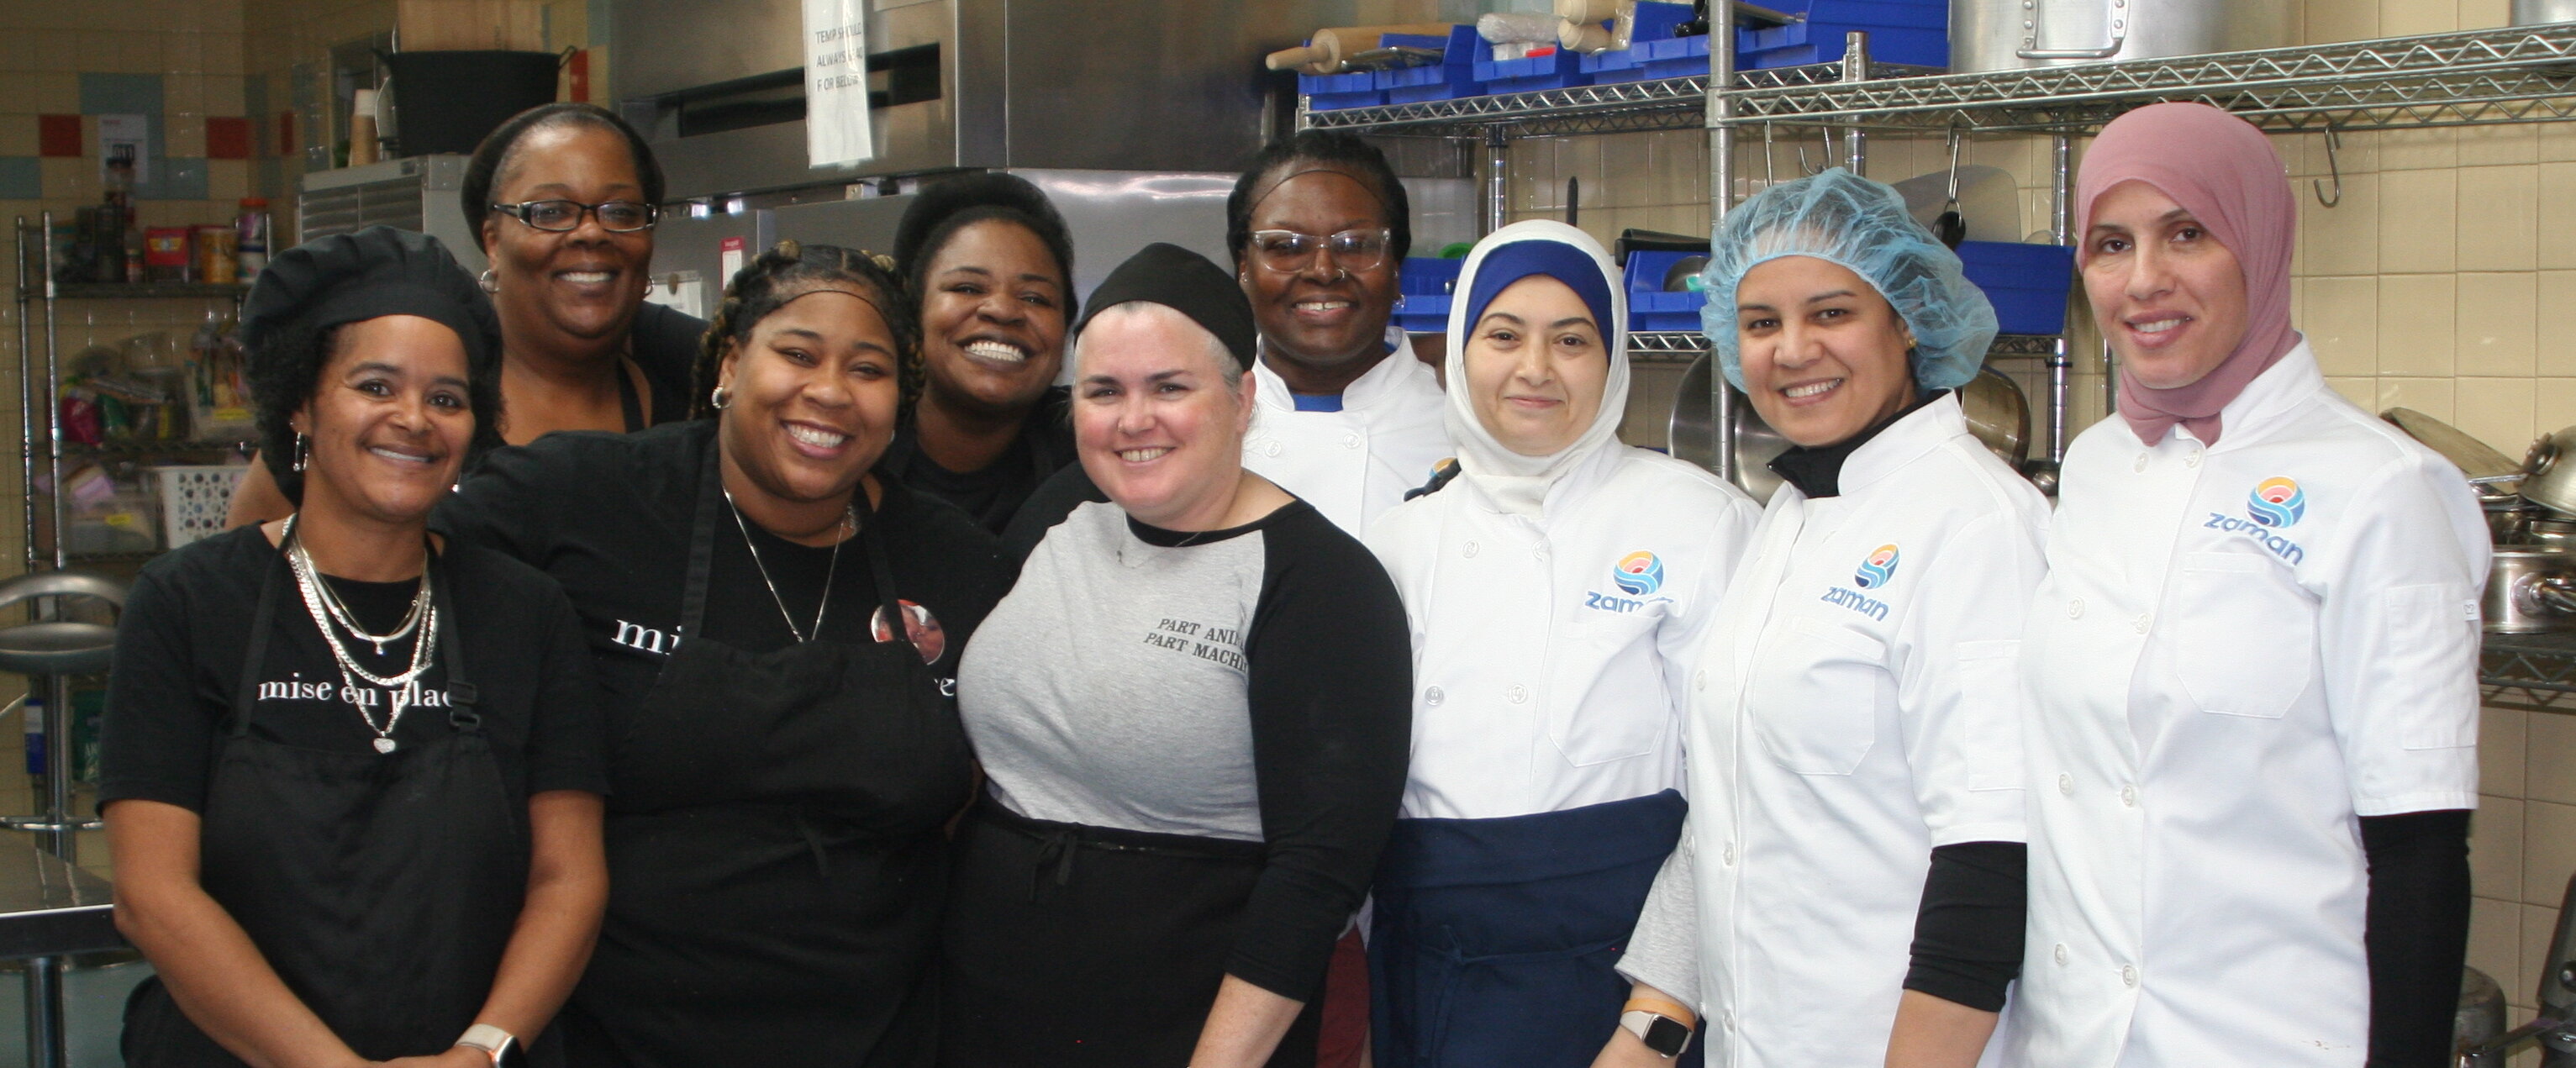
x=1728, y=855
x=2061, y=953
x=1271, y=449
x=1350, y=441
x=1518, y=693
x=2075, y=608
x=1433, y=695
x=2141, y=465
x=1726, y=1020
x=2192, y=460
x=2129, y=796
x=2065, y=785
x=1540, y=552
x=2142, y=622
x=1470, y=550
x=2129, y=974
x=1699, y=680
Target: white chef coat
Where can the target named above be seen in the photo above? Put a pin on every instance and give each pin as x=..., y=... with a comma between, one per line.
x=1549, y=653
x=2240, y=648
x=1853, y=709
x=1358, y=462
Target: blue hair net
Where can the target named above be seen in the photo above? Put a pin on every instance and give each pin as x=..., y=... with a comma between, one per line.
x=1862, y=225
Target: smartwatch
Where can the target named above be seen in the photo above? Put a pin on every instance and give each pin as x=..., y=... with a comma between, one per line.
x=1666, y=1036
x=501, y=1046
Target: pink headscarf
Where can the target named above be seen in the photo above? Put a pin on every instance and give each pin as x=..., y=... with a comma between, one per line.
x=2224, y=171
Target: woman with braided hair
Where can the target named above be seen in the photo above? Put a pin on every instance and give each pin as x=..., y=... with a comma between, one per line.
x=784, y=747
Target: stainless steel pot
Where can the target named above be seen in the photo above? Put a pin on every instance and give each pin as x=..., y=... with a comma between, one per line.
x=2549, y=533
x=2014, y=34
x=1996, y=411
x=2535, y=12
x=2508, y=522
x=2531, y=589
x=2549, y=472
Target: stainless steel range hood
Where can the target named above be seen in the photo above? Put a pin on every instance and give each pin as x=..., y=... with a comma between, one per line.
x=1159, y=85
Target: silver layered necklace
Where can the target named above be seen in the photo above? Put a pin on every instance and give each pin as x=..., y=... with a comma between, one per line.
x=333, y=616
x=849, y=525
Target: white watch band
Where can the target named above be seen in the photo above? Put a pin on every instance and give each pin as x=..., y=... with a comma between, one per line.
x=491, y=1040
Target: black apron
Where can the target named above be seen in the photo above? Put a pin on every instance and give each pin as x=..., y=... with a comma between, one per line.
x=1071, y=946
x=776, y=862
x=382, y=888
x=1493, y=940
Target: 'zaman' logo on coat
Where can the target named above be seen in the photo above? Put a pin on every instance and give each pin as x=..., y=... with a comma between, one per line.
x=1877, y=569
x=2277, y=502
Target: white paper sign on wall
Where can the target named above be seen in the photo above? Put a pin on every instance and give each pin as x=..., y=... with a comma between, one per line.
x=836, y=83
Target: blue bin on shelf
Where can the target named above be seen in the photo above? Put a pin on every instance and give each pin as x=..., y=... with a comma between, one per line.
x=1654, y=24
x=2027, y=284
x=1646, y=269
x=1557, y=69
x=1658, y=310
x=1679, y=57
x=1423, y=313
x=1428, y=275
x=1801, y=43
x=1334, y=92
x=1453, y=77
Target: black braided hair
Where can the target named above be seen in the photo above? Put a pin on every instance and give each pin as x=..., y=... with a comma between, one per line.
x=942, y=209
x=1331, y=148
x=790, y=269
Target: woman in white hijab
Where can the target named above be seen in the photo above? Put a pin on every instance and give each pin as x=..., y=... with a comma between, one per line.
x=1555, y=581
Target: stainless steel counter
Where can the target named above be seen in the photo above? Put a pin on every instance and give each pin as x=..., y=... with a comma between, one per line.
x=49, y=908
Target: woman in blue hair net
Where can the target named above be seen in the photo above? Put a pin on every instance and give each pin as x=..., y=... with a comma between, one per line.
x=1850, y=888
x=1557, y=583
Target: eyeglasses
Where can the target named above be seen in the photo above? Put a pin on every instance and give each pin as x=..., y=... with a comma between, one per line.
x=1288, y=252
x=564, y=216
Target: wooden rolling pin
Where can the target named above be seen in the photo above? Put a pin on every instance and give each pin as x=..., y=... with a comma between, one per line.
x=1331, y=48
x=1587, y=10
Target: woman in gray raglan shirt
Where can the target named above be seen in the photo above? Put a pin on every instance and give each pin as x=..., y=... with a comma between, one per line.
x=1193, y=712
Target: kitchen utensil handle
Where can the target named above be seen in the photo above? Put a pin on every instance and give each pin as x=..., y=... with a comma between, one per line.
x=2556, y=591
x=2119, y=36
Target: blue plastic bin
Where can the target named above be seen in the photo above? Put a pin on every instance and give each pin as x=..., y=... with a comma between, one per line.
x=1658, y=310
x=1428, y=275
x=1556, y=70
x=2027, y=284
x=1679, y=57
x=1423, y=313
x=1803, y=43
x=1453, y=77
x=1334, y=92
x=1646, y=269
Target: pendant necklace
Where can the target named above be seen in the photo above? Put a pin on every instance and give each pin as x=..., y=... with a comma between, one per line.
x=403, y=689
x=849, y=526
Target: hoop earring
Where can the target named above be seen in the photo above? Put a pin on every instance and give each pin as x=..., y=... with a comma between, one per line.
x=718, y=398
x=303, y=452
x=489, y=283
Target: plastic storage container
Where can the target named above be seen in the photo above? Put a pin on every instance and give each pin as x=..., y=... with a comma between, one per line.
x=1900, y=31
x=2027, y=284
x=1333, y=92
x=194, y=498
x=1423, y=291
x=1554, y=69
x=1453, y=77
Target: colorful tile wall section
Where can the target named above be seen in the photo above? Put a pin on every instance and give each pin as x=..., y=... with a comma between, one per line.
x=177, y=63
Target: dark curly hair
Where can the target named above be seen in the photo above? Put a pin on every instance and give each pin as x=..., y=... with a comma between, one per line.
x=492, y=157
x=285, y=372
x=940, y=210
x=789, y=270
x=1331, y=148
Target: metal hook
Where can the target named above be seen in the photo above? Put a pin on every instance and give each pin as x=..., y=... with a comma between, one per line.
x=1953, y=184
x=1824, y=137
x=1770, y=174
x=2334, y=167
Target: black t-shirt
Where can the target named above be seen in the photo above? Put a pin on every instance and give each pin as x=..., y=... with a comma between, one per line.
x=186, y=627
x=1001, y=489
x=665, y=343
x=610, y=517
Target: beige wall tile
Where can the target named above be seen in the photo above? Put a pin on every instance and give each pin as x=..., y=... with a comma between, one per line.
x=2550, y=774
x=2553, y=404
x=2416, y=329
x=2539, y=925
x=2340, y=20
x=2343, y=239
x=17, y=135
x=2407, y=150
x=2495, y=938
x=2431, y=396
x=1627, y=175
x=2503, y=736
x=184, y=134
x=2497, y=411
x=2488, y=146
x=2498, y=211
x=2497, y=323
x=2556, y=215
x=2496, y=848
x=2403, y=18
x=2340, y=316
x=2485, y=14
x=2557, y=141
x=227, y=181
x=2554, y=322
x=2418, y=228
x=2362, y=390
x=2548, y=851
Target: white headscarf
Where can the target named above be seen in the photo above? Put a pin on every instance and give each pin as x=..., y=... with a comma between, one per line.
x=1518, y=483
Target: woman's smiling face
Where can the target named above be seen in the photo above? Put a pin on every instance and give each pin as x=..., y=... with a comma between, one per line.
x=812, y=394
x=1824, y=356
x=389, y=419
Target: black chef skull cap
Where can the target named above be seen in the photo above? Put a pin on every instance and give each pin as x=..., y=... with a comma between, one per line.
x=1188, y=283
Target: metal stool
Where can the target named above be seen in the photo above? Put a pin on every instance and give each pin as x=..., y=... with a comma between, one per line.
x=54, y=649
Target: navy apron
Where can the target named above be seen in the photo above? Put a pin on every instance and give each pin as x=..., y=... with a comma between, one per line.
x=1493, y=940
x=381, y=887
x=775, y=856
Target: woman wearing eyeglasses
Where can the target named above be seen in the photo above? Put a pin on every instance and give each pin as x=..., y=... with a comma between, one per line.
x=1347, y=419
x=564, y=197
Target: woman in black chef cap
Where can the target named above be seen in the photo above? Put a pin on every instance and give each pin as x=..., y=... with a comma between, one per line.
x=352, y=778
x=785, y=749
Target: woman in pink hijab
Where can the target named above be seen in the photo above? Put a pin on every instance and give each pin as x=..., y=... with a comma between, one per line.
x=2252, y=670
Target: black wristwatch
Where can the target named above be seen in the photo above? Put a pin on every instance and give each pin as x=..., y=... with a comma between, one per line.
x=1666, y=1036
